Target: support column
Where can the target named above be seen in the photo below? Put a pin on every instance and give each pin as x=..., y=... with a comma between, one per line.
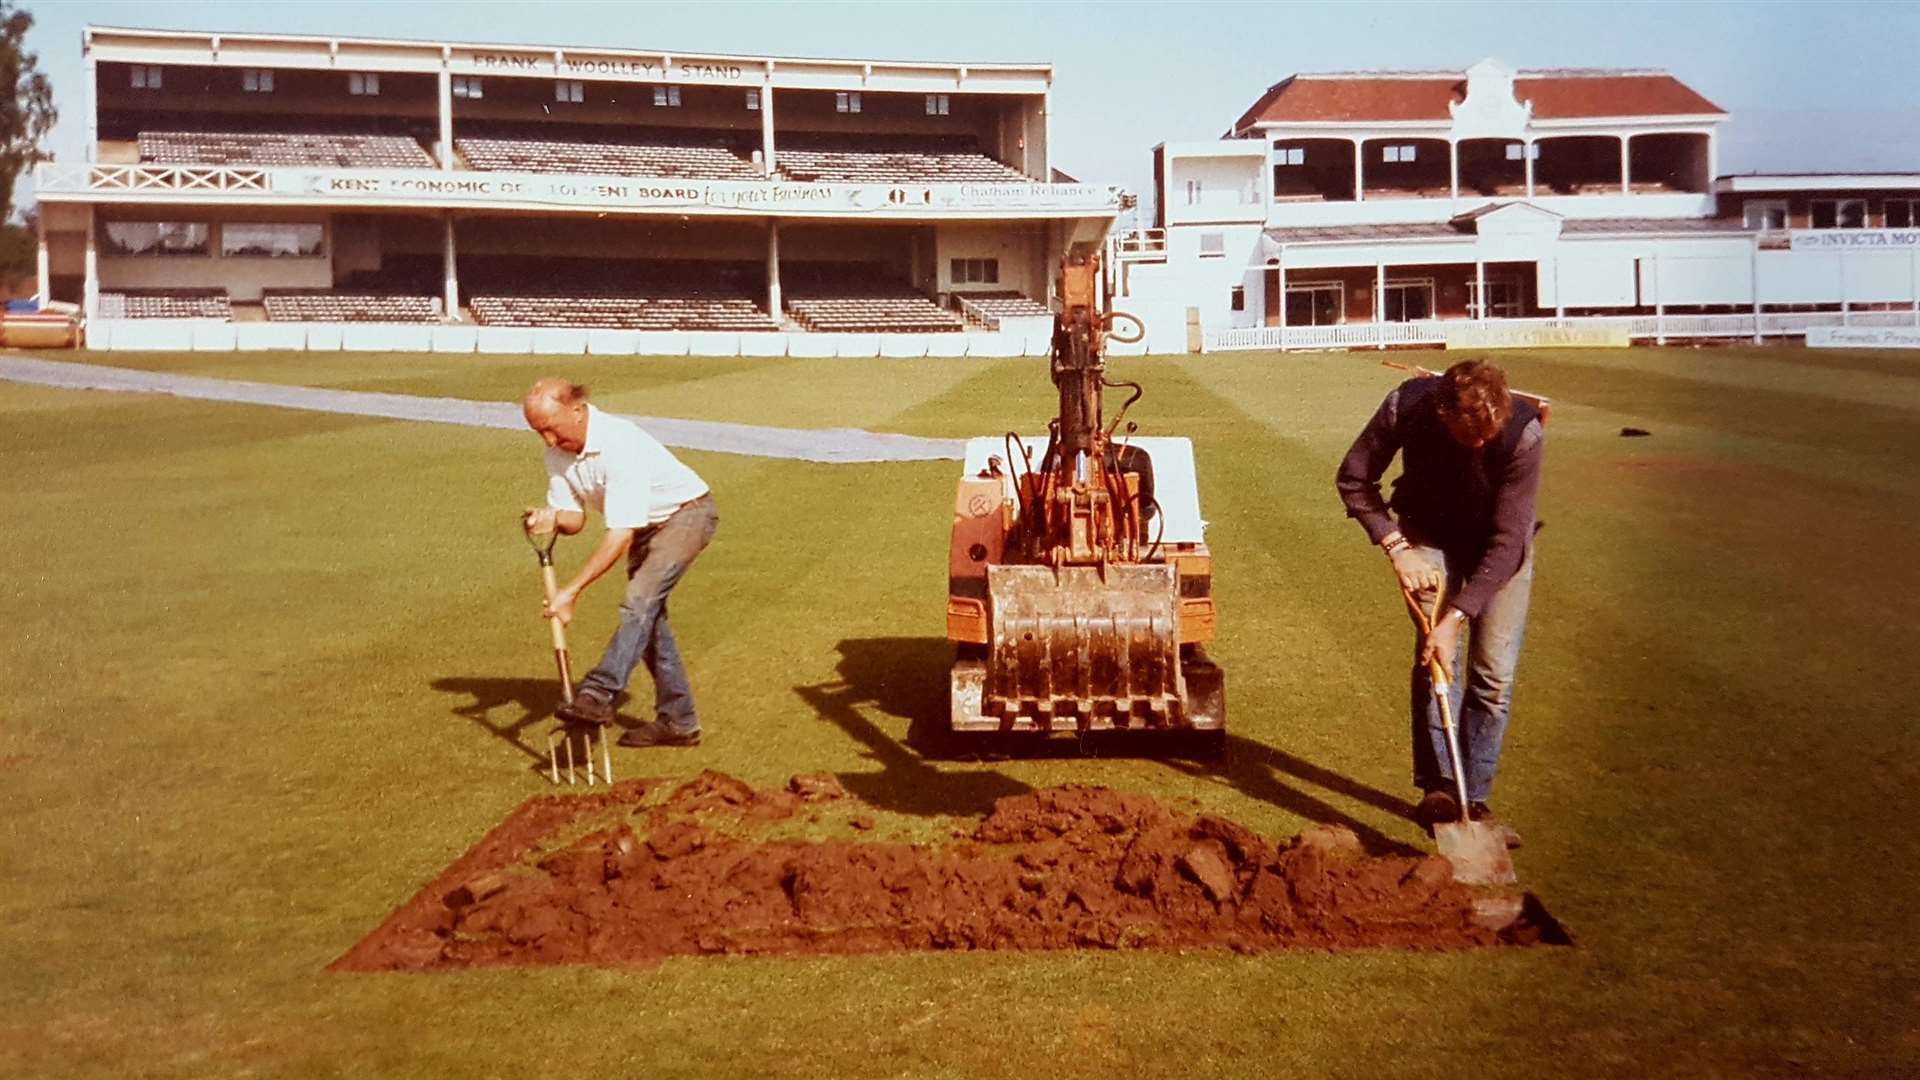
x=1845, y=307
x=1559, y=298
x=446, y=119
x=1280, y=283
x=766, y=128
x=1359, y=169
x=1479, y=290
x=1659, y=305
x=1626, y=165
x=90, y=291
x=40, y=262
x=1526, y=159
x=1753, y=273
x=773, y=265
x=1913, y=279
x=450, y=266
x=93, y=104
x=1380, y=305
x=1453, y=167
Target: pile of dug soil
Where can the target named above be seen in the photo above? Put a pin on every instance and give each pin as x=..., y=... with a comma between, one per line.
x=1062, y=868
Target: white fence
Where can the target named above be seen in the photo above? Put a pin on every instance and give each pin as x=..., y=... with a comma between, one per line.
x=1659, y=328
x=212, y=335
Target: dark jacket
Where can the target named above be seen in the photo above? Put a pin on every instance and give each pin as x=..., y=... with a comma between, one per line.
x=1477, y=505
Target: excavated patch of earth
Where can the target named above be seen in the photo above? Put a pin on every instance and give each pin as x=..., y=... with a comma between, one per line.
x=647, y=870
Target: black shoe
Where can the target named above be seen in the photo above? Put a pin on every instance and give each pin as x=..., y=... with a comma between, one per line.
x=1437, y=806
x=1481, y=812
x=586, y=707
x=655, y=735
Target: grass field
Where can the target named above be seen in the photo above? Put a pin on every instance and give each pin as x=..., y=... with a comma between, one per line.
x=268, y=671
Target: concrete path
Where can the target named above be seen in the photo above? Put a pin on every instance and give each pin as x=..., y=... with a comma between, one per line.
x=832, y=445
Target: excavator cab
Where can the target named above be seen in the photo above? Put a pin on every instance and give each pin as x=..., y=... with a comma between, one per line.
x=1080, y=586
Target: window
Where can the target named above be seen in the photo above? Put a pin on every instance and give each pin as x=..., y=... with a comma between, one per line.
x=1766, y=213
x=1407, y=299
x=1400, y=152
x=1291, y=155
x=937, y=104
x=1315, y=304
x=1503, y=298
x=1213, y=245
x=753, y=100
x=157, y=237
x=256, y=80
x=571, y=91
x=1839, y=213
x=975, y=271
x=468, y=86
x=1532, y=150
x=667, y=97
x=363, y=84
x=1193, y=193
x=145, y=77
x=1901, y=213
x=296, y=240
x=846, y=102
x=1237, y=298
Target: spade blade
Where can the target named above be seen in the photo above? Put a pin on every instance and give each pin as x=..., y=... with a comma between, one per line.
x=1477, y=852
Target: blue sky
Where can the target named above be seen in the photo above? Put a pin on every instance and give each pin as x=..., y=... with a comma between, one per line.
x=1816, y=86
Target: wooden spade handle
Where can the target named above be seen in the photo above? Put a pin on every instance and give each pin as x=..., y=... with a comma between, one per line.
x=560, y=657
x=1420, y=617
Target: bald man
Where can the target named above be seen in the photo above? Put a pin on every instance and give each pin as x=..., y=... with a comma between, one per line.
x=658, y=513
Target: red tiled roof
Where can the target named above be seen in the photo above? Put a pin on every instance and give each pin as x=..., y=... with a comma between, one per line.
x=1372, y=98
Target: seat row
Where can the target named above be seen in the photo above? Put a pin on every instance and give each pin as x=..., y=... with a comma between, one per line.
x=876, y=312
x=317, y=151
x=326, y=305
x=166, y=304
x=623, y=312
x=896, y=166
x=613, y=159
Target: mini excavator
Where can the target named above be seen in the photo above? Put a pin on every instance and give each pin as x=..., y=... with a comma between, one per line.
x=1080, y=587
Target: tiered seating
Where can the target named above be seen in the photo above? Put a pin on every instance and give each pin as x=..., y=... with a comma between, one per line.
x=652, y=158
x=623, y=312
x=252, y=148
x=868, y=308
x=989, y=308
x=166, y=304
x=812, y=158
x=327, y=305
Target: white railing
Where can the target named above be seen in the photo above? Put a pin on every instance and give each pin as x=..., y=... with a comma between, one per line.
x=1649, y=327
x=55, y=177
x=1140, y=244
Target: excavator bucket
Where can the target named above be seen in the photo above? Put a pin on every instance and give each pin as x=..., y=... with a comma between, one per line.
x=1084, y=648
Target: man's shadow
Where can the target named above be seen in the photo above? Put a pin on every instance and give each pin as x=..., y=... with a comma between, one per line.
x=525, y=703
x=908, y=678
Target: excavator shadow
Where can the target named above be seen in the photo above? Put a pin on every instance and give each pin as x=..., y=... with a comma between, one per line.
x=906, y=678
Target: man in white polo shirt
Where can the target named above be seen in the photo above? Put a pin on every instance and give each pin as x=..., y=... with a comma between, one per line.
x=658, y=513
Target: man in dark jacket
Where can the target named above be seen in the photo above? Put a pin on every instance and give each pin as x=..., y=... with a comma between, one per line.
x=1462, y=516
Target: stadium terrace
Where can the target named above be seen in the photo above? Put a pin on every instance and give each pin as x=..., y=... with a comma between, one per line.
x=274, y=192
x=1499, y=207
x=269, y=191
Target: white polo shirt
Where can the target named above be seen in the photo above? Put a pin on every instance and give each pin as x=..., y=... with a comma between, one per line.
x=623, y=473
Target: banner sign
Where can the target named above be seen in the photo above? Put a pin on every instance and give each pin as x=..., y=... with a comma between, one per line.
x=1492, y=335
x=1855, y=239
x=1863, y=337
x=489, y=190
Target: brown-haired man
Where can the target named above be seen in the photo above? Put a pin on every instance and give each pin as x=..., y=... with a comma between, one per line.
x=1461, y=515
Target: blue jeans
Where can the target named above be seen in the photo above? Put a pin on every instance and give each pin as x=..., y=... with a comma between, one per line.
x=1482, y=701
x=657, y=560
